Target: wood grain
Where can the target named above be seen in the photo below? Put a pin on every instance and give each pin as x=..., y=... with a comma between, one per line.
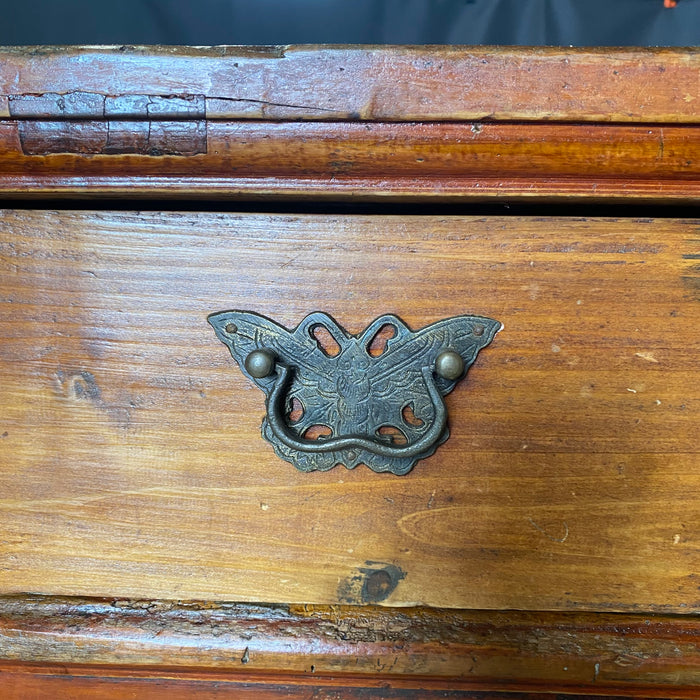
x=111, y=684
x=93, y=644
x=350, y=123
x=132, y=462
x=341, y=160
x=363, y=83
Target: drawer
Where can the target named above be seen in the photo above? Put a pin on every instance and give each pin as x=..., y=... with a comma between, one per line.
x=132, y=458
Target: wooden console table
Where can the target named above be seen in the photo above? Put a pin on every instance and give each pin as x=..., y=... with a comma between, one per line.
x=151, y=542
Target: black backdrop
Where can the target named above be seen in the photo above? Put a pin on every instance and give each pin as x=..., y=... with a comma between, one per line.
x=203, y=22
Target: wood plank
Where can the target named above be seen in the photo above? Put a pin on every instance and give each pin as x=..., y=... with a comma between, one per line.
x=359, y=83
x=76, y=684
x=132, y=462
x=371, y=162
x=91, y=645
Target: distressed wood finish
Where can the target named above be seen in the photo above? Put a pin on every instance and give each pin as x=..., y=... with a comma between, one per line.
x=399, y=653
x=366, y=83
x=367, y=123
x=132, y=458
x=131, y=462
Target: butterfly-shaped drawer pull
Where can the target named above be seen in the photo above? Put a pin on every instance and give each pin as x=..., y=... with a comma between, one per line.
x=333, y=398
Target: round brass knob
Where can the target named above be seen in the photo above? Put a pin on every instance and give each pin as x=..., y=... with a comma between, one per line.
x=260, y=363
x=449, y=365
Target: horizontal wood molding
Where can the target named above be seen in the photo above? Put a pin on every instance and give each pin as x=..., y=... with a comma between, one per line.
x=362, y=123
x=307, y=647
x=371, y=83
x=372, y=162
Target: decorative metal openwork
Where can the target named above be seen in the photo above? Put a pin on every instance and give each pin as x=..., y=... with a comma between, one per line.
x=333, y=398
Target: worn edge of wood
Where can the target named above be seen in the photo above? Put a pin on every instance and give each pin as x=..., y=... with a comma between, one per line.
x=411, y=647
x=373, y=190
x=367, y=83
x=21, y=680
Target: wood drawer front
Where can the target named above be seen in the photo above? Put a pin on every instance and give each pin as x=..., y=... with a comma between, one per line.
x=132, y=462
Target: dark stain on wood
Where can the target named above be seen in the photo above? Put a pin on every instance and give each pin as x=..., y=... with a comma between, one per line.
x=144, y=138
x=80, y=384
x=373, y=583
x=91, y=124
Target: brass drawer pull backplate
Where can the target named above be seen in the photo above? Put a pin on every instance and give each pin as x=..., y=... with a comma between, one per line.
x=334, y=398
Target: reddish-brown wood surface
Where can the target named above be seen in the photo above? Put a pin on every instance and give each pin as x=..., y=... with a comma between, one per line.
x=59, y=682
x=132, y=461
x=368, y=83
x=373, y=123
x=113, y=683
x=307, y=650
x=363, y=161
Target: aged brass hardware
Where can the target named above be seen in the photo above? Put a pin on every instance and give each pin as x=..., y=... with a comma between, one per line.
x=333, y=398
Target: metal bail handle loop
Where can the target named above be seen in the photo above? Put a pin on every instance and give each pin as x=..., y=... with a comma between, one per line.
x=376, y=403
x=282, y=433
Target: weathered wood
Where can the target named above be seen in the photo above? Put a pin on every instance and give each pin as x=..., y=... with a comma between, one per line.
x=340, y=648
x=377, y=161
x=132, y=462
x=355, y=83
x=362, y=123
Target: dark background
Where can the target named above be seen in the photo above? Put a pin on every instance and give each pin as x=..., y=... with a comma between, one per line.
x=204, y=22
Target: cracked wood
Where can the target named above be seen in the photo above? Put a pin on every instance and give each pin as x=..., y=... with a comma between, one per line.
x=373, y=124
x=378, y=83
